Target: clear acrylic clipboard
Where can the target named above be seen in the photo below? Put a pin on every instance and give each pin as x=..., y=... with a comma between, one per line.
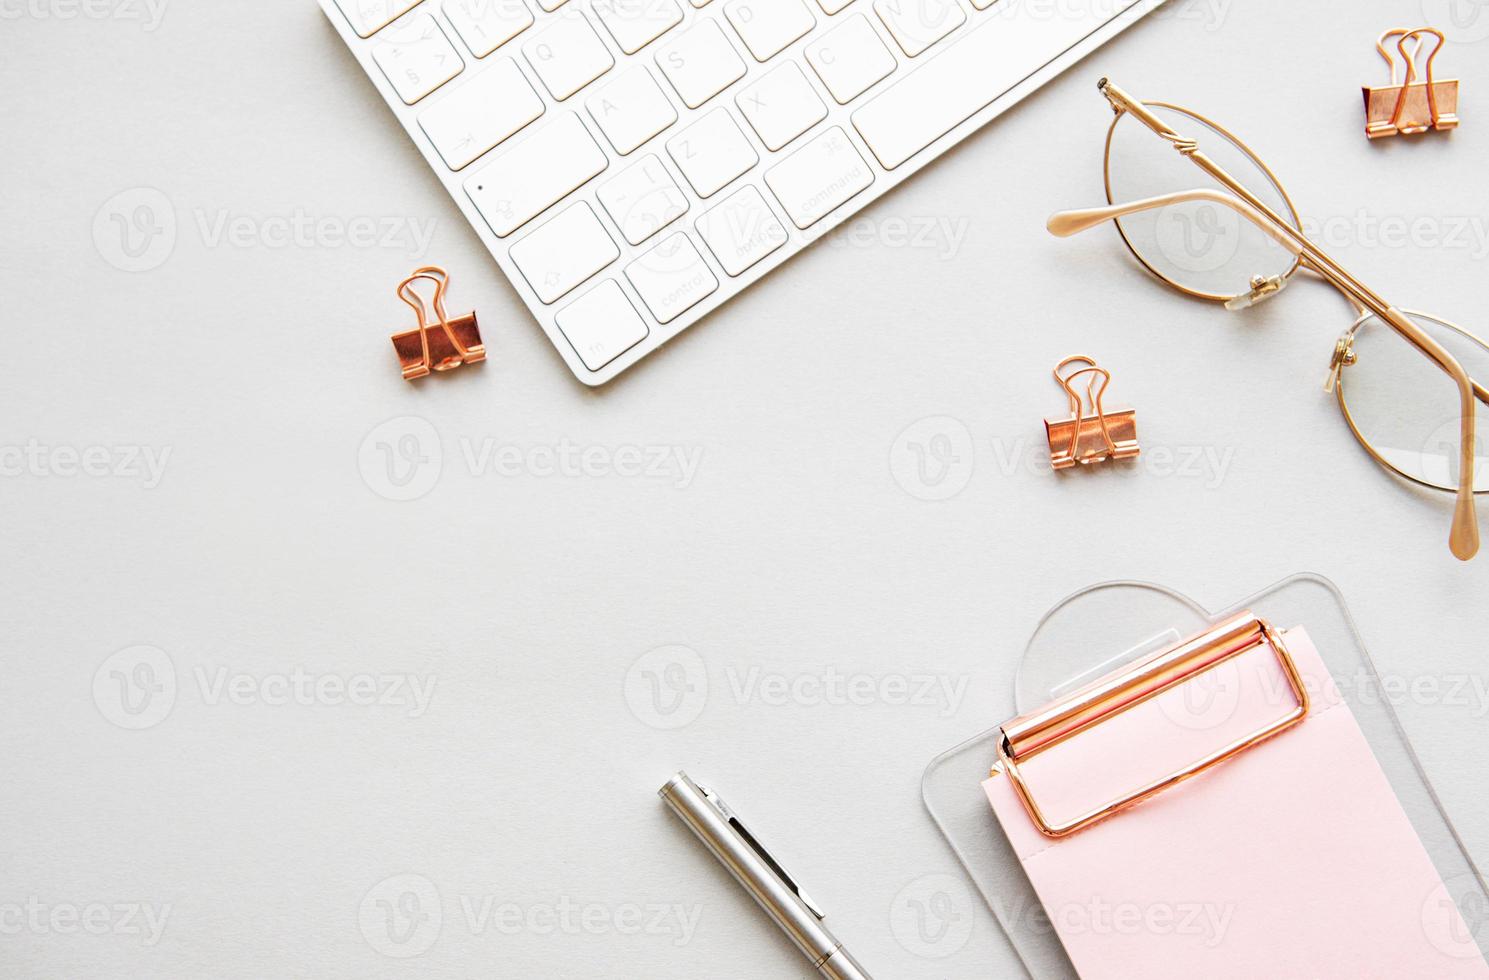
x=1103, y=627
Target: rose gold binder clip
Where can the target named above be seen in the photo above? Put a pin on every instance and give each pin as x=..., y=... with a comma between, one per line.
x=1413, y=106
x=1089, y=437
x=440, y=346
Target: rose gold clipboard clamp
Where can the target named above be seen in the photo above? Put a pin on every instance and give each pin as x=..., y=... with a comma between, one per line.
x=1026, y=736
x=1089, y=437
x=440, y=346
x=1411, y=107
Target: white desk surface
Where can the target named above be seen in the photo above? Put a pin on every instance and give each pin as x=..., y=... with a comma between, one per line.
x=520, y=798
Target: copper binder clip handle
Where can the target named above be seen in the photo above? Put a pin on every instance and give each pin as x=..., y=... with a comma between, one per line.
x=424, y=349
x=1089, y=437
x=1412, y=106
x=1028, y=735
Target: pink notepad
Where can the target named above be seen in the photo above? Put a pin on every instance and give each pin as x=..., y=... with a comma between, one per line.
x=1293, y=859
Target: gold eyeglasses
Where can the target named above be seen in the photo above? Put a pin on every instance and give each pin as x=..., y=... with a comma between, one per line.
x=1241, y=242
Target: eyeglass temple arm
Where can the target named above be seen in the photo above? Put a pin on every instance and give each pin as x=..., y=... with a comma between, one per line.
x=1066, y=223
x=1463, y=539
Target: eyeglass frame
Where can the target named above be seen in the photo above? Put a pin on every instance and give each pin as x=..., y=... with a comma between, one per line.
x=1463, y=537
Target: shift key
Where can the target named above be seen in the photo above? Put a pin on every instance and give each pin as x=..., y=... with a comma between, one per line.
x=819, y=177
x=524, y=180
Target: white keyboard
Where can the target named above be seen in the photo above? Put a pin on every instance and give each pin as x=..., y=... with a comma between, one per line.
x=632, y=164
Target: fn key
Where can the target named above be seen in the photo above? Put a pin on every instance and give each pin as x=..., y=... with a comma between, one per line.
x=602, y=325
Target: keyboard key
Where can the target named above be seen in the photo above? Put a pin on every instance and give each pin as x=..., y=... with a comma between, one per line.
x=781, y=106
x=563, y=252
x=831, y=7
x=741, y=231
x=700, y=63
x=476, y=115
x=642, y=199
x=712, y=152
x=567, y=54
x=850, y=58
x=550, y=6
x=525, y=178
x=818, y=177
x=671, y=278
x=636, y=23
x=978, y=67
x=485, y=25
x=767, y=26
x=631, y=109
x=917, y=24
x=602, y=325
x=417, y=57
x=367, y=17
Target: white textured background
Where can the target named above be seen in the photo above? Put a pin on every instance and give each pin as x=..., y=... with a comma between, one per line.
x=266, y=833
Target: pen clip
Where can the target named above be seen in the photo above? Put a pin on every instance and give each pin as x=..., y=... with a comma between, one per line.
x=744, y=834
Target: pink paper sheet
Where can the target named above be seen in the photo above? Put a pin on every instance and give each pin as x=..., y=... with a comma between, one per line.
x=1291, y=860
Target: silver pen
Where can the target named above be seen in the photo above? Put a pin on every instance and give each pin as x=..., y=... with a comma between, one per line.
x=762, y=876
